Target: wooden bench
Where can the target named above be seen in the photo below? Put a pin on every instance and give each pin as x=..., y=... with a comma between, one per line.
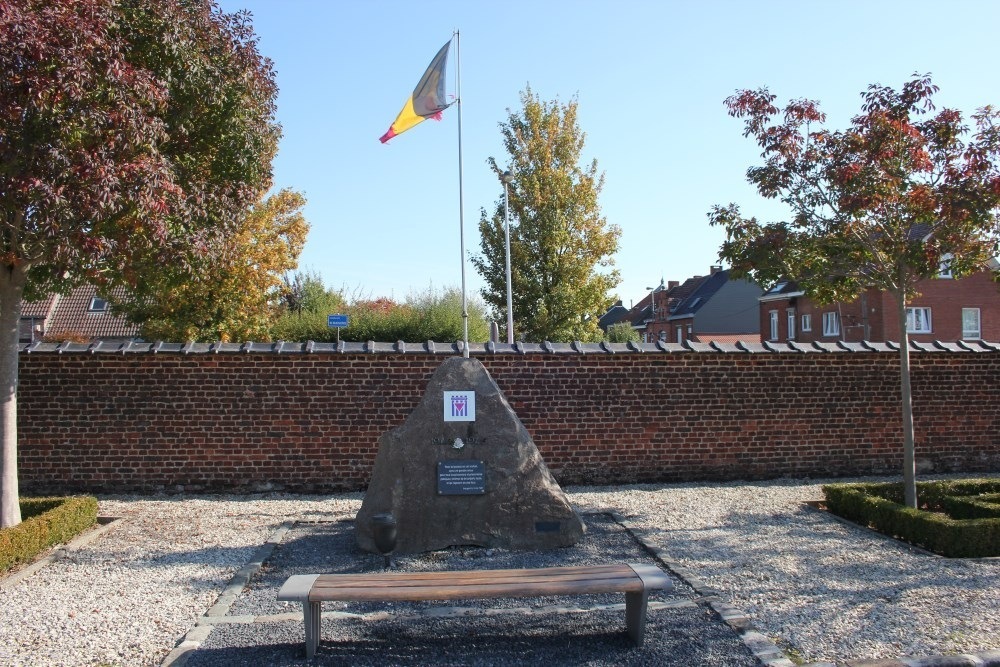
x=636, y=581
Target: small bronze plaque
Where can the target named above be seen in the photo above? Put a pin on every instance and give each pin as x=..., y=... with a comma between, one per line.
x=461, y=478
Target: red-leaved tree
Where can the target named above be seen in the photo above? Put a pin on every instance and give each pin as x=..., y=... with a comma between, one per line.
x=133, y=135
x=881, y=204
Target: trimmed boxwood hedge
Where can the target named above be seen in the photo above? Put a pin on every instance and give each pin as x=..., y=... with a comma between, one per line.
x=972, y=530
x=45, y=523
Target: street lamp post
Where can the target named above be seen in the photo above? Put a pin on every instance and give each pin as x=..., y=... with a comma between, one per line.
x=507, y=177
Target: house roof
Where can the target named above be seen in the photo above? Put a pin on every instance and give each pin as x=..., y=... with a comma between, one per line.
x=615, y=314
x=71, y=314
x=39, y=309
x=783, y=289
x=702, y=292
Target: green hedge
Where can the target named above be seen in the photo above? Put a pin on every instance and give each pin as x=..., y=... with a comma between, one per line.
x=45, y=523
x=880, y=506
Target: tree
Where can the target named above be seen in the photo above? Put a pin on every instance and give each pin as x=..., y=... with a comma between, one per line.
x=622, y=332
x=133, y=136
x=304, y=291
x=558, y=238
x=881, y=204
x=240, y=283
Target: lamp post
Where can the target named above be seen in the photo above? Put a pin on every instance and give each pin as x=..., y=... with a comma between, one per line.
x=507, y=178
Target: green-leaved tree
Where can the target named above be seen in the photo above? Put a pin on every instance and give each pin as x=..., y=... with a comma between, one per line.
x=561, y=246
x=880, y=204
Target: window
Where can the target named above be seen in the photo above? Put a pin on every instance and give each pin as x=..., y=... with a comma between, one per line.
x=774, y=324
x=98, y=305
x=970, y=323
x=790, y=318
x=831, y=324
x=680, y=335
x=918, y=320
x=944, y=269
x=807, y=322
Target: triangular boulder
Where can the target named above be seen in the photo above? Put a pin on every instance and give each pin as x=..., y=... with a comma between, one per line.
x=476, y=482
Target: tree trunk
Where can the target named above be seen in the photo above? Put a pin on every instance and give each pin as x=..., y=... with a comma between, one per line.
x=909, y=458
x=12, y=281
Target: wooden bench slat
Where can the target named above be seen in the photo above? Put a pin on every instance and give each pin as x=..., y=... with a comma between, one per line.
x=621, y=579
x=595, y=570
x=446, y=591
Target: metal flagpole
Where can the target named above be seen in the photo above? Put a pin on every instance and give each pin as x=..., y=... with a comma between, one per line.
x=461, y=202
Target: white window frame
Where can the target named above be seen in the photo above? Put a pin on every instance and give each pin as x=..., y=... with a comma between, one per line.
x=773, y=316
x=919, y=320
x=807, y=322
x=680, y=334
x=98, y=305
x=944, y=268
x=790, y=319
x=969, y=334
x=831, y=323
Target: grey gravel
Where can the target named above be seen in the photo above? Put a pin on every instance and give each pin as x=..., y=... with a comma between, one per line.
x=581, y=630
x=822, y=590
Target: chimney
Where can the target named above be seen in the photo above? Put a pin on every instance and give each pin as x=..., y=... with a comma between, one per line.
x=672, y=284
x=712, y=270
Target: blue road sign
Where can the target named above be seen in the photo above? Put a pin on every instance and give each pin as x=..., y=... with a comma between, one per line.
x=337, y=321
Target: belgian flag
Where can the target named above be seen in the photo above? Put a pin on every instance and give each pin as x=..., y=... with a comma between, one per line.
x=427, y=100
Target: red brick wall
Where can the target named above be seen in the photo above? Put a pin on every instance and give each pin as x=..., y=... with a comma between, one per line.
x=115, y=422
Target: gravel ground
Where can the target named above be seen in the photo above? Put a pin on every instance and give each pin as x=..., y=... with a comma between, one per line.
x=586, y=630
x=820, y=589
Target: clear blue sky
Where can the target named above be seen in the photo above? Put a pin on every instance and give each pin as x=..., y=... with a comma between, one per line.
x=650, y=76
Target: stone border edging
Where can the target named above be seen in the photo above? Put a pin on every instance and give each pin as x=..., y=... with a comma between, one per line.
x=766, y=650
x=761, y=646
x=206, y=623
x=105, y=523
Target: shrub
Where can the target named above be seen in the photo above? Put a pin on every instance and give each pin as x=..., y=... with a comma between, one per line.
x=879, y=506
x=622, y=332
x=46, y=522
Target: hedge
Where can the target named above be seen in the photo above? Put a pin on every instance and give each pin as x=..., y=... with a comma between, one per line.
x=46, y=522
x=966, y=533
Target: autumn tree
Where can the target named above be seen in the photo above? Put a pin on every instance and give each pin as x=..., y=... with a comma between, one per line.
x=133, y=136
x=241, y=282
x=883, y=203
x=561, y=247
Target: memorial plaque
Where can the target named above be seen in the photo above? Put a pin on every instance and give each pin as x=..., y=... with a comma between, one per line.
x=461, y=478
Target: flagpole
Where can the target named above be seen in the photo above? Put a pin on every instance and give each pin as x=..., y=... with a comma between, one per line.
x=461, y=200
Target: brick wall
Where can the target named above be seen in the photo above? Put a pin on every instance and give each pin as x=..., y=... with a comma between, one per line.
x=220, y=418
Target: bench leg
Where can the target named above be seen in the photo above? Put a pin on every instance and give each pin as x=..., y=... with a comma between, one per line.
x=635, y=615
x=313, y=617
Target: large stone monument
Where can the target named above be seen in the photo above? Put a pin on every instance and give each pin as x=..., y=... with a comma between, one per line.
x=462, y=470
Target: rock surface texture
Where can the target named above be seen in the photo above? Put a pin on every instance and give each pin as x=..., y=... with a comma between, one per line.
x=509, y=501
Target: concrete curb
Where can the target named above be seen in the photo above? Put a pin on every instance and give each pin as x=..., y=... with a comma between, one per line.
x=766, y=650
x=216, y=614
x=761, y=646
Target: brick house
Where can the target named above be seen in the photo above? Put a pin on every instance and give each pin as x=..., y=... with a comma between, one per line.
x=701, y=309
x=947, y=309
x=79, y=316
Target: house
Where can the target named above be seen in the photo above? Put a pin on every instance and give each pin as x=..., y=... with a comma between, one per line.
x=947, y=309
x=719, y=309
x=81, y=315
x=701, y=309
